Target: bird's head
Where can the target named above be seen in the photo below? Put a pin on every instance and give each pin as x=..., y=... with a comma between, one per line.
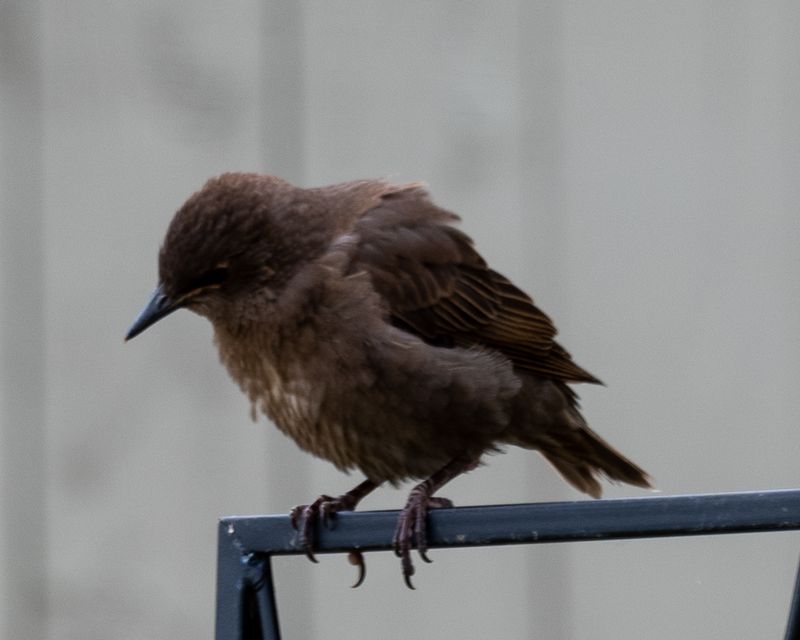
x=229, y=248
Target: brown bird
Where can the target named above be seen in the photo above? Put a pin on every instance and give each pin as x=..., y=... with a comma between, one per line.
x=369, y=330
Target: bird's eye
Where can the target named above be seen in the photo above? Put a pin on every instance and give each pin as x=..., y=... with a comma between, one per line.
x=211, y=279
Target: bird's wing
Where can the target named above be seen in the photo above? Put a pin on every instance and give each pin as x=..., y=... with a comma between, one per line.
x=437, y=286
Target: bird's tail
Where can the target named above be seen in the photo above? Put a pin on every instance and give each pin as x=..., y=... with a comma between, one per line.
x=580, y=455
x=547, y=418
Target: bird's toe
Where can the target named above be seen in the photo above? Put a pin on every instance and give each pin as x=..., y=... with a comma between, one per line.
x=412, y=528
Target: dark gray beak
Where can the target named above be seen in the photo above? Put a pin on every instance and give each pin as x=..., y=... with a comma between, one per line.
x=160, y=306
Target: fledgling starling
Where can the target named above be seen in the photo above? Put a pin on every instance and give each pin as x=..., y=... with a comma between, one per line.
x=369, y=330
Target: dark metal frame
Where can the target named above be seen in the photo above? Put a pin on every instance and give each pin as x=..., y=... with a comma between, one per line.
x=246, y=595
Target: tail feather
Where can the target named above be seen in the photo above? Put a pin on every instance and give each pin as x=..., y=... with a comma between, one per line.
x=547, y=418
x=580, y=455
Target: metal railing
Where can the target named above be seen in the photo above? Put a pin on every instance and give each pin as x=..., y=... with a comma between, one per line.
x=246, y=606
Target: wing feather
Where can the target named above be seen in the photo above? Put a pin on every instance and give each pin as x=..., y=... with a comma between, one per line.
x=435, y=284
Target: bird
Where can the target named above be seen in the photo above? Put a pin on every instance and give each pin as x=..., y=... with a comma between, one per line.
x=367, y=327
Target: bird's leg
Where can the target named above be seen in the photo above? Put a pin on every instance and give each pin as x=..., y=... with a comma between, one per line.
x=305, y=516
x=412, y=523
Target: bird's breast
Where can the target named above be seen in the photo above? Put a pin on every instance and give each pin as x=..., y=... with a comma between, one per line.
x=292, y=402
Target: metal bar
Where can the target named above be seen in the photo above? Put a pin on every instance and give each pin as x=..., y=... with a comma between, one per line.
x=245, y=592
x=535, y=523
x=229, y=587
x=246, y=608
x=264, y=588
x=793, y=624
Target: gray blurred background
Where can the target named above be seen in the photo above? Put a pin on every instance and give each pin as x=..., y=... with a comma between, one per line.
x=634, y=165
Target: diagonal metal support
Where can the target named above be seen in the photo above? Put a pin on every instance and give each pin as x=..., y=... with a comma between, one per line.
x=793, y=625
x=244, y=582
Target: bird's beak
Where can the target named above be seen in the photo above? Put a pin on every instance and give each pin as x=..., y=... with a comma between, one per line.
x=159, y=306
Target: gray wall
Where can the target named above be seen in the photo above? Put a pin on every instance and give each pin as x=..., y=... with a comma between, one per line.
x=632, y=164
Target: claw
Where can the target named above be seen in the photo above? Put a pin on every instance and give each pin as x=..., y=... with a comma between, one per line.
x=356, y=558
x=407, y=578
x=420, y=534
x=408, y=570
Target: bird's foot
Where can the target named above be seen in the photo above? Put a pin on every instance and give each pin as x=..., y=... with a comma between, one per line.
x=304, y=517
x=412, y=528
